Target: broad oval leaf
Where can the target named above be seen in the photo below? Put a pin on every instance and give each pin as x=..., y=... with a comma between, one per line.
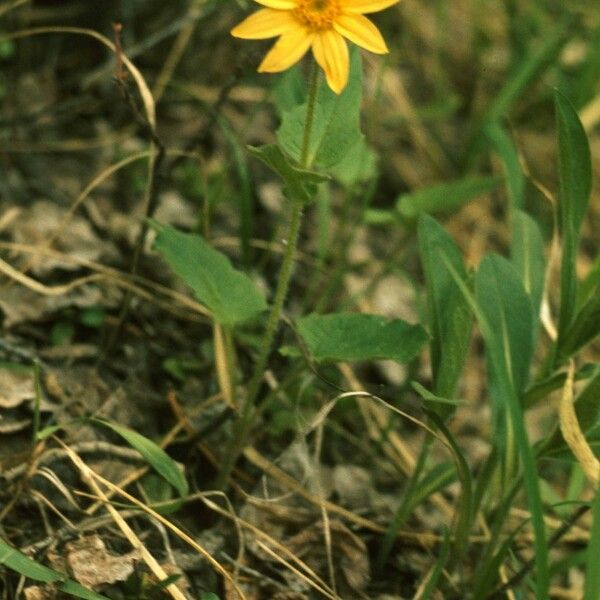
x=358, y=166
x=230, y=294
x=336, y=126
x=506, y=308
x=449, y=313
x=300, y=184
x=356, y=337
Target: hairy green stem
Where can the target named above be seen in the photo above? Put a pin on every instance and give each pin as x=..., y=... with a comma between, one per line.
x=246, y=418
x=313, y=86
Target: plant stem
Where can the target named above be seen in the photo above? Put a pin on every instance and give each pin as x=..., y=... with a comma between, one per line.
x=313, y=86
x=246, y=419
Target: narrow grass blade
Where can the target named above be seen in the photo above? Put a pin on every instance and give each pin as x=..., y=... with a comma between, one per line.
x=160, y=461
x=434, y=576
x=574, y=166
x=245, y=197
x=465, y=514
x=506, y=331
x=529, y=70
x=27, y=567
x=506, y=150
x=418, y=490
x=527, y=254
x=446, y=196
x=585, y=328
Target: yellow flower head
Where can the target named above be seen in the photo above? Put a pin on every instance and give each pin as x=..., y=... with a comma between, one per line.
x=318, y=24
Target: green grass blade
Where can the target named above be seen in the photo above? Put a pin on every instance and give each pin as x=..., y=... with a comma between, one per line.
x=506, y=150
x=592, y=577
x=160, y=461
x=585, y=328
x=434, y=575
x=507, y=337
x=574, y=166
x=486, y=571
x=418, y=490
x=445, y=197
x=529, y=70
x=27, y=567
x=465, y=514
x=527, y=255
x=245, y=197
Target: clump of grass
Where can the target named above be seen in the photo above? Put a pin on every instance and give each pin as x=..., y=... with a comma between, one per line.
x=481, y=423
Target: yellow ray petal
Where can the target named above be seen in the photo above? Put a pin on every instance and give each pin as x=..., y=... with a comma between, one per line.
x=265, y=23
x=279, y=4
x=362, y=32
x=367, y=6
x=331, y=52
x=287, y=51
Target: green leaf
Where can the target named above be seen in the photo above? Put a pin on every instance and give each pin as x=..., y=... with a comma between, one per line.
x=463, y=524
x=584, y=329
x=290, y=90
x=439, y=477
x=336, y=125
x=584, y=84
x=358, y=166
x=430, y=397
x=528, y=258
x=158, y=494
x=528, y=70
x=300, y=184
x=47, y=432
x=574, y=167
x=537, y=60
x=230, y=294
x=504, y=312
x=506, y=307
x=25, y=566
x=417, y=491
x=446, y=196
x=430, y=584
x=94, y=316
x=449, y=314
x=505, y=148
x=75, y=589
x=380, y=216
x=160, y=461
x=244, y=199
x=592, y=573
x=591, y=283
x=542, y=388
x=354, y=337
